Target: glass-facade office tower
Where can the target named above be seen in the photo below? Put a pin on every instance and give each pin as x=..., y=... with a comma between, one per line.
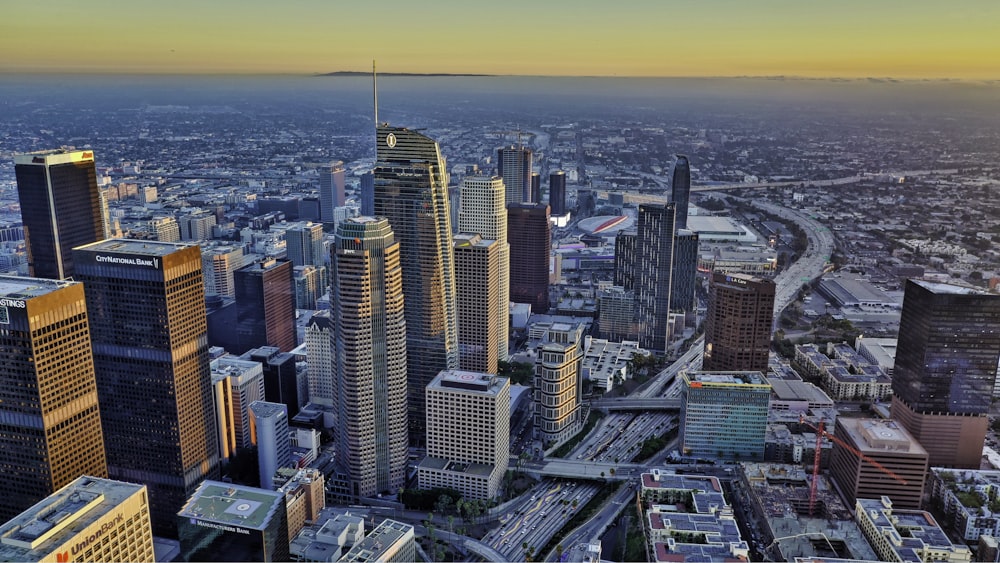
x=654, y=254
x=147, y=323
x=738, y=323
x=724, y=414
x=265, y=306
x=625, y=243
x=680, y=190
x=50, y=423
x=370, y=356
x=411, y=191
x=331, y=190
x=514, y=166
x=684, y=274
x=483, y=211
x=557, y=192
x=368, y=194
x=946, y=365
x=529, y=234
x=304, y=244
x=535, y=191
x=60, y=208
x=230, y=522
x=477, y=273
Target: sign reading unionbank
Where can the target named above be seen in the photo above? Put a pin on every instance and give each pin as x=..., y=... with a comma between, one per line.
x=139, y=261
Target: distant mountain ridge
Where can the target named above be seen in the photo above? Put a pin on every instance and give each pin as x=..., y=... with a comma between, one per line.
x=364, y=73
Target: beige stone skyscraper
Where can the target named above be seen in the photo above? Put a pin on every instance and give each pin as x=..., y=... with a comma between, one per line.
x=558, y=383
x=477, y=283
x=370, y=357
x=484, y=212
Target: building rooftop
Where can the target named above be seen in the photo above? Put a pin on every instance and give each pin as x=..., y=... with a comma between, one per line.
x=135, y=246
x=60, y=516
x=476, y=382
x=13, y=287
x=231, y=504
x=374, y=545
x=264, y=409
x=702, y=378
x=950, y=288
x=788, y=390
x=873, y=436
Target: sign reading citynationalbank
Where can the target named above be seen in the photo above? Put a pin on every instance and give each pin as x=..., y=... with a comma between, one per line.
x=151, y=262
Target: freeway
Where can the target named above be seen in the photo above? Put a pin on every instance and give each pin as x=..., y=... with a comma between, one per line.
x=575, y=541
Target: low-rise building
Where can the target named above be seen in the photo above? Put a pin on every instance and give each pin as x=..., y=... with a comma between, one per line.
x=969, y=500
x=605, y=363
x=906, y=535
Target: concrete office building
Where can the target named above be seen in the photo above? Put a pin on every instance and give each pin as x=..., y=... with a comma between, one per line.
x=514, y=166
x=147, y=323
x=530, y=237
x=50, y=432
x=269, y=431
x=468, y=433
x=230, y=522
x=738, y=323
x=332, y=189
x=218, y=264
x=484, y=212
x=237, y=384
x=304, y=244
x=558, y=384
x=305, y=497
x=411, y=192
x=370, y=330
x=945, y=369
x=477, y=280
x=887, y=443
x=89, y=519
x=309, y=286
x=265, y=306
x=389, y=542
x=60, y=208
x=724, y=414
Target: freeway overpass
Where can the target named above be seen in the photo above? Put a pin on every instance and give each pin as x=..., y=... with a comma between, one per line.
x=573, y=469
x=620, y=404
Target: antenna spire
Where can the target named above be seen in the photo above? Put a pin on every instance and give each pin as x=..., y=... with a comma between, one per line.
x=375, y=92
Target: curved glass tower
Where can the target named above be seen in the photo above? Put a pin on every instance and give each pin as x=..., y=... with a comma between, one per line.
x=411, y=191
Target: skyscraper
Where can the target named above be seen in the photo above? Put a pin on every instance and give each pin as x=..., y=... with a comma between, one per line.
x=244, y=385
x=535, y=192
x=411, y=192
x=558, y=382
x=371, y=356
x=680, y=190
x=514, y=166
x=653, y=267
x=724, y=414
x=269, y=429
x=738, y=323
x=320, y=358
x=368, y=194
x=60, y=208
x=557, y=192
x=304, y=244
x=625, y=260
x=149, y=335
x=477, y=273
x=484, y=212
x=684, y=273
x=530, y=236
x=265, y=305
x=331, y=190
x=50, y=423
x=946, y=365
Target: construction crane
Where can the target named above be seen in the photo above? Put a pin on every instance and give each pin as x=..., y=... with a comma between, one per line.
x=822, y=433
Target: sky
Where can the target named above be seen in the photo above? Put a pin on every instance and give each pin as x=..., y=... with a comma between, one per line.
x=907, y=39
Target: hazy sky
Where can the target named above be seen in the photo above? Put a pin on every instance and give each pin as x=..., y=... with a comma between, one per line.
x=849, y=38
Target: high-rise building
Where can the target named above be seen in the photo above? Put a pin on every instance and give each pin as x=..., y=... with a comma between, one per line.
x=738, y=323
x=530, y=237
x=305, y=497
x=724, y=414
x=477, y=279
x=60, y=208
x=149, y=335
x=680, y=189
x=945, y=369
x=281, y=381
x=535, y=192
x=484, y=212
x=684, y=274
x=164, y=229
x=367, y=188
x=218, y=264
x=50, y=422
x=238, y=383
x=411, y=191
x=617, y=314
x=654, y=256
x=233, y=522
x=559, y=382
x=309, y=286
x=304, y=244
x=89, y=519
x=196, y=226
x=468, y=433
x=269, y=430
x=332, y=185
x=370, y=329
x=265, y=305
x=887, y=444
x=625, y=260
x=557, y=192
x=514, y=166
x=320, y=359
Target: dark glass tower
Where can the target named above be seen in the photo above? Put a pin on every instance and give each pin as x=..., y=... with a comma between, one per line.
x=946, y=365
x=557, y=192
x=146, y=304
x=411, y=191
x=265, y=305
x=535, y=193
x=530, y=236
x=625, y=260
x=514, y=166
x=654, y=251
x=50, y=425
x=680, y=189
x=738, y=323
x=60, y=208
x=685, y=271
x=367, y=194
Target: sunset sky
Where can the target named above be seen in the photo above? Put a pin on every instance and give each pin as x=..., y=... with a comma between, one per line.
x=845, y=38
